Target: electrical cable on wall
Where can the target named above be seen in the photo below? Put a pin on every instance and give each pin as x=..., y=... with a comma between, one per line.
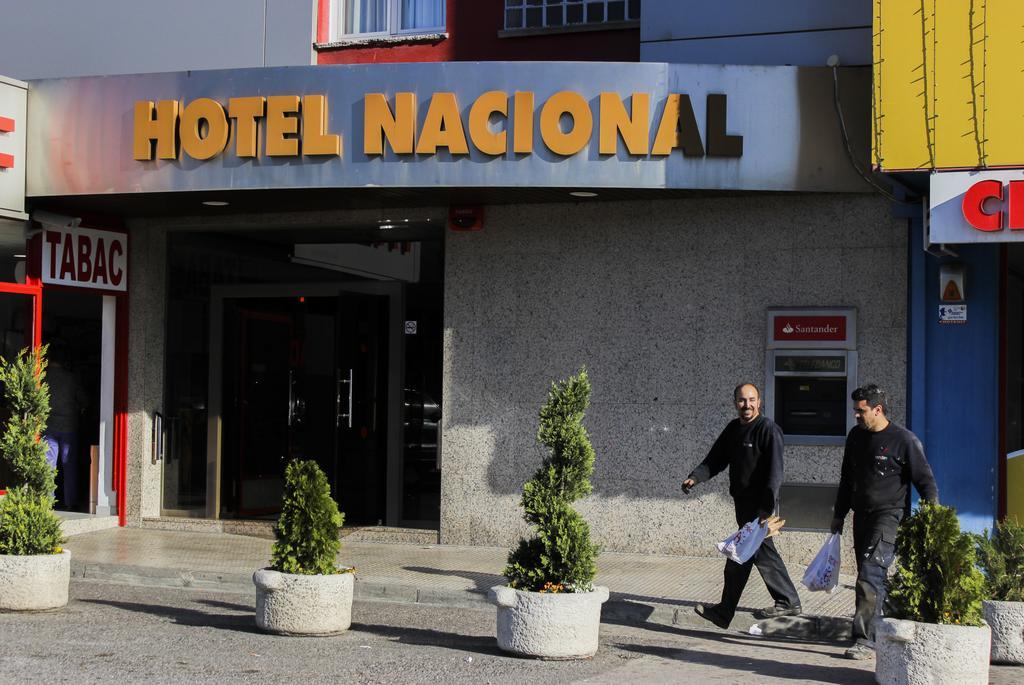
x=833, y=62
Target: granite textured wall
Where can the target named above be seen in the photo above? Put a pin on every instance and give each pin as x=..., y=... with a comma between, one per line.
x=147, y=249
x=664, y=301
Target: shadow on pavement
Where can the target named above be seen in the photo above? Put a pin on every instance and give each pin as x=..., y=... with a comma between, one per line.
x=477, y=644
x=482, y=581
x=251, y=608
x=782, y=669
x=243, y=623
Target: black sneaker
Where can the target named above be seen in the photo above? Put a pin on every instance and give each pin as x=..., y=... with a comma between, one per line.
x=860, y=650
x=713, y=614
x=778, y=610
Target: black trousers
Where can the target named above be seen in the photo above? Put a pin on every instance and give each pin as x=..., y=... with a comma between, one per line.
x=874, y=540
x=769, y=564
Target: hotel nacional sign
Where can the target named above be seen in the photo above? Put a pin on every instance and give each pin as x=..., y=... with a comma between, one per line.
x=496, y=124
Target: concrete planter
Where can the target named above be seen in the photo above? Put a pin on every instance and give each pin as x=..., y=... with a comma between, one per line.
x=911, y=653
x=1006, y=619
x=36, y=582
x=303, y=605
x=549, y=625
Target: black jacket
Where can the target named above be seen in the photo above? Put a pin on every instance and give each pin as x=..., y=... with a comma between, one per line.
x=878, y=469
x=753, y=453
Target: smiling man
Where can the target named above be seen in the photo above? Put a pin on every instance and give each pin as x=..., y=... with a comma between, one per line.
x=751, y=447
x=880, y=462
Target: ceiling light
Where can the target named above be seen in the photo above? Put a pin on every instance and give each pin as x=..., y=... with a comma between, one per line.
x=19, y=256
x=583, y=193
x=215, y=203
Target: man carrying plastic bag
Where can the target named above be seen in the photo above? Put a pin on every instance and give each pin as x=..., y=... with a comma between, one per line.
x=751, y=447
x=823, y=573
x=745, y=542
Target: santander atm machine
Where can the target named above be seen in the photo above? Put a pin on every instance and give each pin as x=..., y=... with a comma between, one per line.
x=811, y=369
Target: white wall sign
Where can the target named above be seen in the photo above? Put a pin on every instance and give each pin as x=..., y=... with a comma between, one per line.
x=953, y=313
x=13, y=99
x=84, y=258
x=977, y=207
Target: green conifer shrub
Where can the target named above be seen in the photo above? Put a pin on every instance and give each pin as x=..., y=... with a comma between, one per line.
x=936, y=579
x=27, y=397
x=560, y=557
x=27, y=522
x=1001, y=558
x=307, y=530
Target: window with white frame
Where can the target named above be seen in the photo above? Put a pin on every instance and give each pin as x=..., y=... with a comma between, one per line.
x=386, y=17
x=529, y=14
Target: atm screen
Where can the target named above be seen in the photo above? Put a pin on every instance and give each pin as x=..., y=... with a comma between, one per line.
x=811, y=406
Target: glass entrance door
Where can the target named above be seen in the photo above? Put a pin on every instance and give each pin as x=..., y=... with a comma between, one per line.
x=306, y=377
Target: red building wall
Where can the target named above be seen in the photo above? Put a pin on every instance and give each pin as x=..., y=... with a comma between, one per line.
x=473, y=27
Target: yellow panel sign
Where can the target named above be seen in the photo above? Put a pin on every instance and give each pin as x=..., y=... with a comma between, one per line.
x=947, y=81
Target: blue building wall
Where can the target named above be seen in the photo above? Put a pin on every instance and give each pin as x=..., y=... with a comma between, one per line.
x=954, y=404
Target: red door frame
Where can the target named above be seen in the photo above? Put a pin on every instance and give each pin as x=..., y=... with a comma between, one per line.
x=35, y=291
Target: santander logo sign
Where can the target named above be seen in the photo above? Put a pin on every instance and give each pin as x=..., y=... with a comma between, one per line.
x=810, y=328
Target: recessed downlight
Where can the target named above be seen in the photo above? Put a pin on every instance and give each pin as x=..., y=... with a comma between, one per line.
x=215, y=203
x=583, y=193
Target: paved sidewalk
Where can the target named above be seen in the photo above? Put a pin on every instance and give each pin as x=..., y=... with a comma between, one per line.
x=645, y=588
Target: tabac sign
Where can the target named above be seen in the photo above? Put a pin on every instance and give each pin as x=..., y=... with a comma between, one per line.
x=453, y=124
x=79, y=257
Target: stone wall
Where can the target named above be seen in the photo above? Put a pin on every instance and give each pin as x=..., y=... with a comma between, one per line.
x=664, y=301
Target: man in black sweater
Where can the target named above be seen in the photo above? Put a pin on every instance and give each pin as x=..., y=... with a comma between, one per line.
x=751, y=447
x=880, y=462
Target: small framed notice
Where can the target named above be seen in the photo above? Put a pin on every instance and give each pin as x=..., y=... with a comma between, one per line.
x=952, y=313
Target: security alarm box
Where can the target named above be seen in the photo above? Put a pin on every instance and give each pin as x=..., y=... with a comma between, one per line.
x=811, y=370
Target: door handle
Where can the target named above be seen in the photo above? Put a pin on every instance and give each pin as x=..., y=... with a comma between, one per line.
x=291, y=396
x=347, y=417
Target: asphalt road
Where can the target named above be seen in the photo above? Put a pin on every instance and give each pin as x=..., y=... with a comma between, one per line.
x=114, y=633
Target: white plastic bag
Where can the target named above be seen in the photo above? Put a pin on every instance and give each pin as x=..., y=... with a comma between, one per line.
x=823, y=573
x=743, y=544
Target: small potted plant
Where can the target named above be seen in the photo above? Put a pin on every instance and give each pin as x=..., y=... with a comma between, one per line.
x=935, y=633
x=304, y=592
x=550, y=607
x=1001, y=557
x=34, y=570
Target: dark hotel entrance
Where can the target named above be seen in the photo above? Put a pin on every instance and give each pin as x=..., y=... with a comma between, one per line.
x=276, y=352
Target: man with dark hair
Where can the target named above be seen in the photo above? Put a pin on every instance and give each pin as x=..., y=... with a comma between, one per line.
x=751, y=447
x=880, y=462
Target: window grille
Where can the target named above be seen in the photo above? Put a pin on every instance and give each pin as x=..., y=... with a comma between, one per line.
x=529, y=14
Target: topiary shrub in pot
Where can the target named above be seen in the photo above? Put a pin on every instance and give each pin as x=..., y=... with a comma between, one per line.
x=934, y=633
x=304, y=592
x=35, y=571
x=550, y=607
x=1001, y=558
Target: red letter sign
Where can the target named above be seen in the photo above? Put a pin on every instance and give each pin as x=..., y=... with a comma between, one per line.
x=974, y=201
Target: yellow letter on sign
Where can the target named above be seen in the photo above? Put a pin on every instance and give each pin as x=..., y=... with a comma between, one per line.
x=635, y=128
x=196, y=145
x=245, y=112
x=566, y=102
x=442, y=127
x=480, y=133
x=282, y=121
x=379, y=123
x=163, y=128
x=316, y=139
